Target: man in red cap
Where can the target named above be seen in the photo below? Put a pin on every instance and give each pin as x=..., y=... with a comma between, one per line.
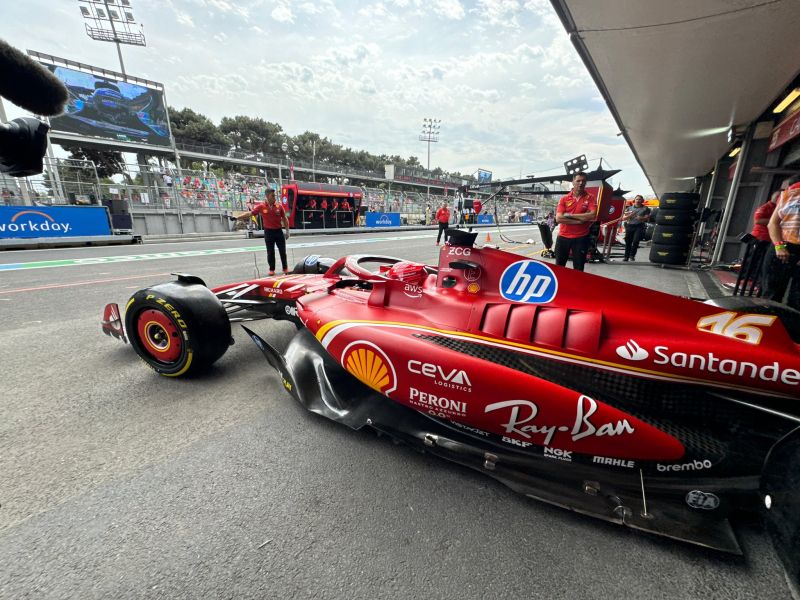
x=782, y=263
x=274, y=217
x=575, y=214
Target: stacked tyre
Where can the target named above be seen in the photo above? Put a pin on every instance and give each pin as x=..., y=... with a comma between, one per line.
x=675, y=223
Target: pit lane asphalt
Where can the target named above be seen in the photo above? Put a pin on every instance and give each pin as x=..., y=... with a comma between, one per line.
x=117, y=483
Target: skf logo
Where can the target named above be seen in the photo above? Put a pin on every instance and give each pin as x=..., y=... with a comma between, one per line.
x=632, y=351
x=371, y=366
x=528, y=281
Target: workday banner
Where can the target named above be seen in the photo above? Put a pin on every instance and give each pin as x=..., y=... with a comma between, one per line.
x=53, y=221
x=378, y=219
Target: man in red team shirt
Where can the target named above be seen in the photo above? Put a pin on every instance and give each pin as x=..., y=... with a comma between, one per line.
x=443, y=219
x=274, y=217
x=575, y=214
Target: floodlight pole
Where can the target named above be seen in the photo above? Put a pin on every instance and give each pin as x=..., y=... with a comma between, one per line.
x=116, y=38
x=430, y=133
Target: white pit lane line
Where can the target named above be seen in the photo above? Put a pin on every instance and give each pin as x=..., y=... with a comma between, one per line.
x=77, y=262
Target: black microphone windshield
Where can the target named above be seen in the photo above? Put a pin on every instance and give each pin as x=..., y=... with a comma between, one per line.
x=28, y=84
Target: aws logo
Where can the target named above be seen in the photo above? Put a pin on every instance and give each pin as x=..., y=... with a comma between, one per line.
x=371, y=366
x=18, y=224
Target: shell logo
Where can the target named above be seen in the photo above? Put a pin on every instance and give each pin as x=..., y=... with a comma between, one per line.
x=370, y=365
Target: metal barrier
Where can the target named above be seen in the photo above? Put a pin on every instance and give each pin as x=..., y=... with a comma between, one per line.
x=748, y=282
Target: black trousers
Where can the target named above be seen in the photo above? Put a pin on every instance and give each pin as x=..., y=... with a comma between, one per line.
x=578, y=246
x=777, y=275
x=442, y=227
x=272, y=238
x=633, y=235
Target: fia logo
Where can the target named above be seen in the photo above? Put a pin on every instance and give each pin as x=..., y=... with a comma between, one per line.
x=632, y=351
x=702, y=500
x=528, y=281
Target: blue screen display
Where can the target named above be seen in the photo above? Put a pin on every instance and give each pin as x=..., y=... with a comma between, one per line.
x=108, y=108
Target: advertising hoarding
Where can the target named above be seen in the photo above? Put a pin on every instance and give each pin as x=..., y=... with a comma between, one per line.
x=379, y=219
x=53, y=221
x=109, y=107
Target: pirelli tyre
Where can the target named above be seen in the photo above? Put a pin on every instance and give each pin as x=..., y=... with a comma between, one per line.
x=679, y=201
x=178, y=328
x=675, y=217
x=669, y=255
x=677, y=235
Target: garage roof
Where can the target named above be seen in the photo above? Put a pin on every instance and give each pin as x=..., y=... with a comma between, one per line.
x=677, y=74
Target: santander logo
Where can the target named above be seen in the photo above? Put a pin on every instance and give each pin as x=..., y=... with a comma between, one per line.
x=632, y=351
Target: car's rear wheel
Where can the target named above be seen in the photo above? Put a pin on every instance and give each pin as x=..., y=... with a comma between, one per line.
x=179, y=329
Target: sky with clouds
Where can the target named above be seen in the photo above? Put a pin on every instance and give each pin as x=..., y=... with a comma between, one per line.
x=502, y=75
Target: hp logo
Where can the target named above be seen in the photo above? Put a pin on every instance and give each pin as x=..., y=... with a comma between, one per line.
x=528, y=281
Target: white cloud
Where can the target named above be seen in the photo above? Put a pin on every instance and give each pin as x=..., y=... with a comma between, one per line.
x=499, y=12
x=282, y=13
x=449, y=9
x=501, y=74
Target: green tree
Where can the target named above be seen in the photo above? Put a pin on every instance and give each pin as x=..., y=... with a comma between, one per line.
x=190, y=127
x=107, y=162
x=252, y=134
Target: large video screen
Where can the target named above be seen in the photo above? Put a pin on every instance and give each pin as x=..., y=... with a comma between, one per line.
x=108, y=108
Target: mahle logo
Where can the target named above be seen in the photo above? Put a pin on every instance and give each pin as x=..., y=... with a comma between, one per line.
x=528, y=281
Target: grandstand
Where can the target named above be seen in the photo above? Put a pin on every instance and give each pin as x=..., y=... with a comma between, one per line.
x=160, y=199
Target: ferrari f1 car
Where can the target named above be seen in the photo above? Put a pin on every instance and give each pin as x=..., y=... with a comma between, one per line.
x=552, y=381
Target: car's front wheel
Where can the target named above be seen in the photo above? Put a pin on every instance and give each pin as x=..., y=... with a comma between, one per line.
x=179, y=329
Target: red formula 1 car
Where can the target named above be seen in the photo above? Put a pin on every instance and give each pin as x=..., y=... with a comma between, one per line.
x=552, y=381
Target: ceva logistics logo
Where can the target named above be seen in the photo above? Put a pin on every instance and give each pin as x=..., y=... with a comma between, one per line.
x=528, y=281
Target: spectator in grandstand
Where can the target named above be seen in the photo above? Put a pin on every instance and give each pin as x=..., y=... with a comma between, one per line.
x=575, y=213
x=274, y=218
x=782, y=263
x=636, y=217
x=167, y=179
x=443, y=219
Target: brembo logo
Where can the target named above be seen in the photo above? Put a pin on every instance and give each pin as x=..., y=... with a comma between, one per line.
x=528, y=281
x=632, y=351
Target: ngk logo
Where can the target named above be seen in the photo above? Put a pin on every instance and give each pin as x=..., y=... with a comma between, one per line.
x=558, y=454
